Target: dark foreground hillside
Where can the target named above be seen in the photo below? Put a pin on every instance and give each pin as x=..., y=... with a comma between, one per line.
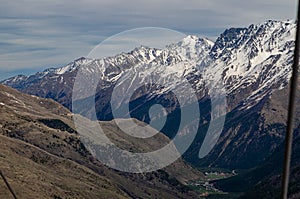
x=42, y=157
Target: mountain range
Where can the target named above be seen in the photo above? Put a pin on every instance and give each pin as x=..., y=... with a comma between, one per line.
x=252, y=65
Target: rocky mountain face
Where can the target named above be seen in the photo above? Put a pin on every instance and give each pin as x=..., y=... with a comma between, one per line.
x=250, y=64
x=264, y=180
x=42, y=156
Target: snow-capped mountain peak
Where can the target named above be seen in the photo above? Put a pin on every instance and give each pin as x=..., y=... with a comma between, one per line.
x=72, y=66
x=251, y=58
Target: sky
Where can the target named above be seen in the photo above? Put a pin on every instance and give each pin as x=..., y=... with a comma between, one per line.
x=38, y=34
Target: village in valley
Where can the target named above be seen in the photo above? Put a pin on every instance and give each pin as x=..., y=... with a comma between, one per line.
x=206, y=186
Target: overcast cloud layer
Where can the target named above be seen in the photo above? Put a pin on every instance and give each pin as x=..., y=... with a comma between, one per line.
x=37, y=34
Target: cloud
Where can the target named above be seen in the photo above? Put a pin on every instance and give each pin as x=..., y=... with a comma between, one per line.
x=128, y=40
x=35, y=34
